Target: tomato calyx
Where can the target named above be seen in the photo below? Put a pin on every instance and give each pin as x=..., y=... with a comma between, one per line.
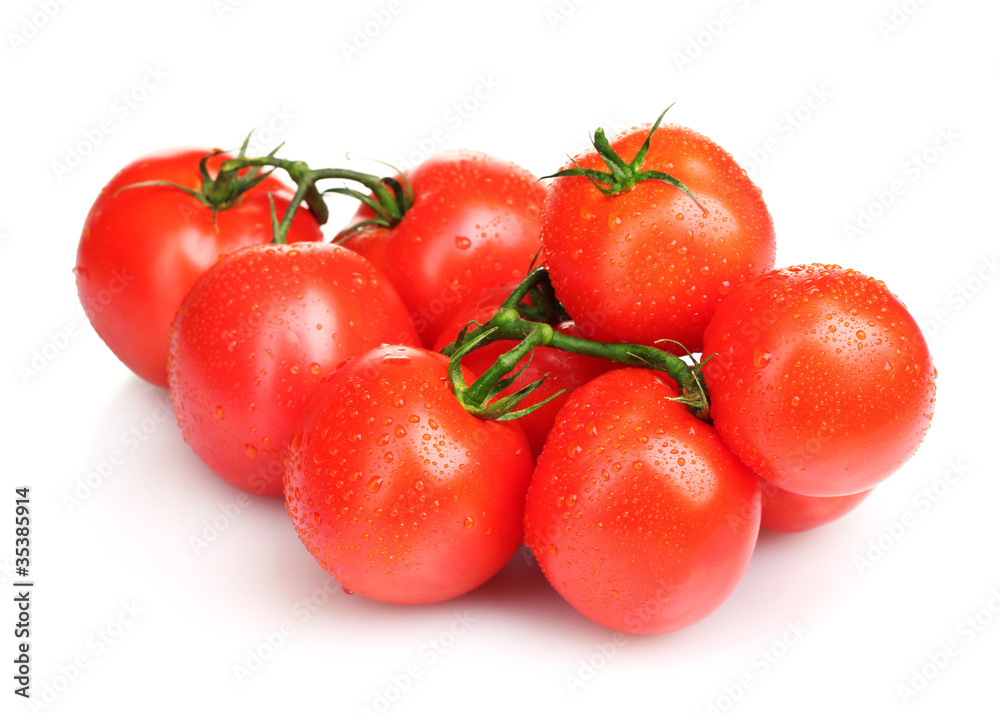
x=221, y=192
x=511, y=323
x=622, y=176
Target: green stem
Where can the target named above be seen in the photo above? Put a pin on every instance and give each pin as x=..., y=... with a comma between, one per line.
x=509, y=324
x=393, y=204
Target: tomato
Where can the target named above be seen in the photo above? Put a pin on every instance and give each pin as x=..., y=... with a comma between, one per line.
x=823, y=383
x=252, y=341
x=562, y=370
x=789, y=512
x=638, y=513
x=396, y=490
x=473, y=225
x=648, y=263
x=143, y=248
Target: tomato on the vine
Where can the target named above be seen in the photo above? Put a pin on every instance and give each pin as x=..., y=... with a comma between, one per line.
x=637, y=512
x=822, y=382
x=562, y=370
x=396, y=490
x=647, y=262
x=473, y=224
x=144, y=247
x=254, y=338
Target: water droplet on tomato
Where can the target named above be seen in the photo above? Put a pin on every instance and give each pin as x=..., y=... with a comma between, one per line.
x=469, y=522
x=761, y=357
x=374, y=484
x=219, y=413
x=251, y=450
x=462, y=242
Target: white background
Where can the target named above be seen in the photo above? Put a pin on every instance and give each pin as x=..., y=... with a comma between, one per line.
x=841, y=99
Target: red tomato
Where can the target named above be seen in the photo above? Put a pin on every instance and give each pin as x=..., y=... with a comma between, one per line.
x=473, y=225
x=143, y=249
x=396, y=490
x=562, y=370
x=254, y=338
x=823, y=383
x=649, y=264
x=789, y=512
x=639, y=515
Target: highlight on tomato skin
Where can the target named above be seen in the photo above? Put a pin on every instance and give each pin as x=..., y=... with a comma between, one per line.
x=783, y=511
x=396, y=490
x=474, y=224
x=143, y=248
x=638, y=513
x=822, y=381
x=255, y=337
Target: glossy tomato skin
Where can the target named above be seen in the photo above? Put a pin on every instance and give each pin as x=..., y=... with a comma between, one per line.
x=648, y=264
x=474, y=224
x=143, y=248
x=562, y=370
x=823, y=383
x=254, y=338
x=638, y=513
x=783, y=511
x=397, y=491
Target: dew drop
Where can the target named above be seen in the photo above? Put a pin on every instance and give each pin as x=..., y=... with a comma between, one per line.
x=761, y=357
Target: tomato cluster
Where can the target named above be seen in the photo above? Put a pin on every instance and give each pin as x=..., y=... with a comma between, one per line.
x=426, y=399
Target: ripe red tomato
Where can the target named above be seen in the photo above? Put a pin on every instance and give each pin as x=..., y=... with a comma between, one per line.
x=396, y=490
x=254, y=338
x=649, y=264
x=823, y=383
x=143, y=248
x=562, y=370
x=638, y=513
x=790, y=512
x=473, y=225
